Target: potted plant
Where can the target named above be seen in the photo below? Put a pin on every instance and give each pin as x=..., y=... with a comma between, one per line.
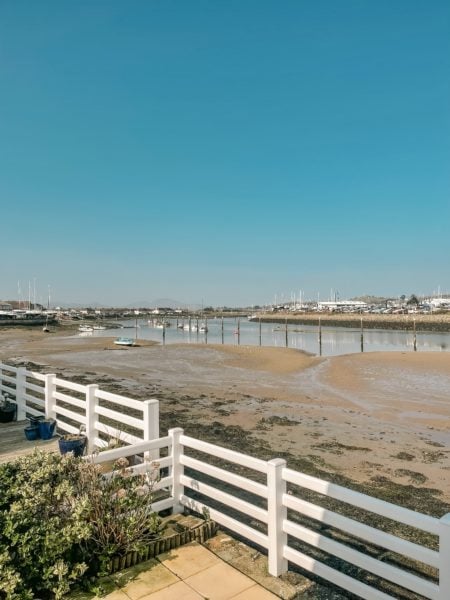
x=73, y=442
x=8, y=409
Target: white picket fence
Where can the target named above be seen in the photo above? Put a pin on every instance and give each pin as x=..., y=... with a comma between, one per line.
x=101, y=414
x=264, y=506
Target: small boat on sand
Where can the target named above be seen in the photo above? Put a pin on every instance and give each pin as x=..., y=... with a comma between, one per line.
x=124, y=341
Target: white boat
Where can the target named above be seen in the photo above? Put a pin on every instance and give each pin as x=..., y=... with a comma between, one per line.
x=160, y=324
x=203, y=328
x=85, y=328
x=99, y=327
x=124, y=341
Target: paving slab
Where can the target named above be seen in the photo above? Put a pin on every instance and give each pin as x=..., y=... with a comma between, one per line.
x=143, y=579
x=219, y=582
x=177, y=591
x=254, y=564
x=188, y=560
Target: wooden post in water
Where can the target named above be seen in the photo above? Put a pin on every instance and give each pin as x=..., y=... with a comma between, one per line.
x=320, y=338
x=286, y=332
x=239, y=330
x=197, y=327
x=206, y=330
x=135, y=329
x=222, y=329
x=414, y=336
x=260, y=336
x=362, y=336
x=164, y=332
x=189, y=324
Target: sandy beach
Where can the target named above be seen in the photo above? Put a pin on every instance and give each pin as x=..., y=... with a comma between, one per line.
x=377, y=421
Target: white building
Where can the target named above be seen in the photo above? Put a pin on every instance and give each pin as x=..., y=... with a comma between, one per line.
x=342, y=305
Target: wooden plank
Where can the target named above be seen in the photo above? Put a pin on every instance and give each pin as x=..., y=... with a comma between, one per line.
x=13, y=442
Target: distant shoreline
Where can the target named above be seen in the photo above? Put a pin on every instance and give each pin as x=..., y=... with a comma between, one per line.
x=440, y=322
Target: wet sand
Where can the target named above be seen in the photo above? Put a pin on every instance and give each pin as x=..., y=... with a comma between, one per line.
x=381, y=420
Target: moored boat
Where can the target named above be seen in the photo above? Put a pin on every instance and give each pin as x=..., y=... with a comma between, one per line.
x=124, y=341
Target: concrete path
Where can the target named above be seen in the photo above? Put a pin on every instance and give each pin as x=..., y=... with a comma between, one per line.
x=190, y=572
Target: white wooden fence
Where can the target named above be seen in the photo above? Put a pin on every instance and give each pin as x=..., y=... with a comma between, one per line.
x=264, y=506
x=264, y=510
x=102, y=415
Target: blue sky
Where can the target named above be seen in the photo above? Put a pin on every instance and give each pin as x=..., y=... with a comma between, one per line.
x=224, y=152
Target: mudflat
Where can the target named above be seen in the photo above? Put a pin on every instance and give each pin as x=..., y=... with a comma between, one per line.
x=378, y=422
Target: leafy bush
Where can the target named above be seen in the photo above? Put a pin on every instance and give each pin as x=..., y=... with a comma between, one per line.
x=41, y=523
x=57, y=513
x=120, y=510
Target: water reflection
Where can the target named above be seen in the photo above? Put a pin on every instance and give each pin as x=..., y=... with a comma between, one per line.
x=321, y=340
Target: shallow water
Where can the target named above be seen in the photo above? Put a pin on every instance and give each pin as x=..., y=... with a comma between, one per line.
x=332, y=341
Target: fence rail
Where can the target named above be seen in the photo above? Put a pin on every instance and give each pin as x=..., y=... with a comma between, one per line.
x=262, y=501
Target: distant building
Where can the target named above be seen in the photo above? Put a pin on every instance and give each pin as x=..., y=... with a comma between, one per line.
x=5, y=306
x=342, y=305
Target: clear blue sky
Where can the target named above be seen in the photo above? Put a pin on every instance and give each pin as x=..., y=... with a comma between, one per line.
x=224, y=151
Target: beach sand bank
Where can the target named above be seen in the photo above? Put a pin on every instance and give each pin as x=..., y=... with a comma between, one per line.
x=381, y=420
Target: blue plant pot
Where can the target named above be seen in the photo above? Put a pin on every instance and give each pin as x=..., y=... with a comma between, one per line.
x=47, y=428
x=76, y=446
x=31, y=433
x=34, y=421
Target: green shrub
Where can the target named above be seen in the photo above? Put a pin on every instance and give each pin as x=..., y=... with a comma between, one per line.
x=58, y=514
x=41, y=524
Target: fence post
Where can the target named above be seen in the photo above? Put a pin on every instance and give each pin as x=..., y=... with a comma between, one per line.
x=151, y=426
x=91, y=403
x=444, y=557
x=177, y=469
x=21, y=387
x=50, y=401
x=277, y=513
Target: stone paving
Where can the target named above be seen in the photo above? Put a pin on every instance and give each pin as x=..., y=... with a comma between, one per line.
x=190, y=572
